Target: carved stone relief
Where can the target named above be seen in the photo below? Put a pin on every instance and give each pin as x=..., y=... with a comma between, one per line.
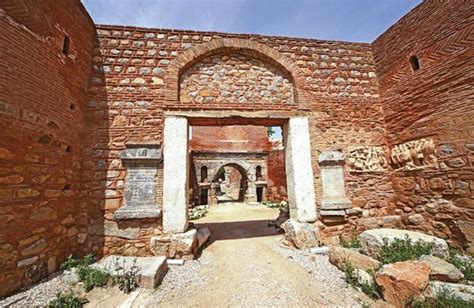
x=369, y=158
x=141, y=161
x=414, y=155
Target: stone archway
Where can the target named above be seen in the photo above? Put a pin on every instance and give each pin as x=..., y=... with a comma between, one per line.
x=293, y=117
x=244, y=181
x=227, y=45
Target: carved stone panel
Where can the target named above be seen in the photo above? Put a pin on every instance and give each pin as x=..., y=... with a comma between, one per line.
x=369, y=158
x=334, y=193
x=415, y=154
x=141, y=161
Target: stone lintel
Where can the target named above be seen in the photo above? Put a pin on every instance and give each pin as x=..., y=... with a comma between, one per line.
x=331, y=158
x=332, y=213
x=142, y=151
x=336, y=204
x=128, y=212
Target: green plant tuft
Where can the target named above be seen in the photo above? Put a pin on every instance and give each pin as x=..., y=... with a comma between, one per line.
x=466, y=266
x=126, y=279
x=70, y=262
x=352, y=243
x=91, y=277
x=402, y=250
x=67, y=301
x=371, y=289
x=444, y=299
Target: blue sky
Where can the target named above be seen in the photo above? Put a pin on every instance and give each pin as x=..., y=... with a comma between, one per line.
x=345, y=20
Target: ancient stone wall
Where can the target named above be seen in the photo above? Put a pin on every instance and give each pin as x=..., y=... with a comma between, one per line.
x=42, y=103
x=148, y=71
x=230, y=138
x=236, y=78
x=429, y=117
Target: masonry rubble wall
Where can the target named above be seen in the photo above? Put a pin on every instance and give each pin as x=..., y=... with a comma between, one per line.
x=65, y=122
x=434, y=103
x=43, y=207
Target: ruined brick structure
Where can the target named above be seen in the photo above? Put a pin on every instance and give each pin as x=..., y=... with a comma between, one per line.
x=393, y=120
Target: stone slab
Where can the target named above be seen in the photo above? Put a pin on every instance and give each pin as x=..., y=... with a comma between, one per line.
x=373, y=240
x=340, y=255
x=151, y=270
x=131, y=213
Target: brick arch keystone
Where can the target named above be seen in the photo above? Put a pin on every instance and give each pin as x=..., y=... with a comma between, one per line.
x=198, y=52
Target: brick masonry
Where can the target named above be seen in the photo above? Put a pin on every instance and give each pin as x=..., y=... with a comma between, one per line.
x=65, y=118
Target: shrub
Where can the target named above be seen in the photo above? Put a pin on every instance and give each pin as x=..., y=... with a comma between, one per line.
x=402, y=250
x=126, y=280
x=352, y=243
x=91, y=277
x=67, y=301
x=466, y=266
x=371, y=289
x=70, y=262
x=444, y=299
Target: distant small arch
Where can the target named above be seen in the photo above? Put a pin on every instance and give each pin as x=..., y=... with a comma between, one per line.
x=203, y=174
x=415, y=63
x=258, y=172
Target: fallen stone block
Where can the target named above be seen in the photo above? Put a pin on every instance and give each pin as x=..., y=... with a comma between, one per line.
x=402, y=282
x=301, y=235
x=340, y=255
x=176, y=246
x=203, y=235
x=442, y=270
x=319, y=250
x=462, y=291
x=150, y=270
x=184, y=245
x=373, y=240
x=175, y=261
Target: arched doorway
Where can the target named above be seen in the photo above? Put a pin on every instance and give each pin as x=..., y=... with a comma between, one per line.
x=230, y=183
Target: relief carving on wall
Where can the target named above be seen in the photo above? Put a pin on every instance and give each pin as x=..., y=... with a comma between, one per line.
x=369, y=158
x=415, y=154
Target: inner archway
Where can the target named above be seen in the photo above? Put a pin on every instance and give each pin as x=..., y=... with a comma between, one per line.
x=231, y=183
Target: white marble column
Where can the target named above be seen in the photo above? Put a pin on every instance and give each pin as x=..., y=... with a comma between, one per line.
x=299, y=170
x=175, y=175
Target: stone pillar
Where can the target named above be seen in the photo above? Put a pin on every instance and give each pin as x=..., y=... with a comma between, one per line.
x=175, y=175
x=334, y=192
x=251, y=193
x=299, y=171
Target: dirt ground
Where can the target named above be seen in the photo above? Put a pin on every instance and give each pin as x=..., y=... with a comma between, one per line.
x=243, y=265
x=248, y=270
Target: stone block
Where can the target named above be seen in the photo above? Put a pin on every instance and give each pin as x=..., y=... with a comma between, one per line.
x=340, y=255
x=150, y=270
x=442, y=270
x=301, y=235
x=373, y=240
x=403, y=282
x=203, y=235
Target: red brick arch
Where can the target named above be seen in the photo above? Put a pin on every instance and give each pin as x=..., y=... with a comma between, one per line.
x=198, y=52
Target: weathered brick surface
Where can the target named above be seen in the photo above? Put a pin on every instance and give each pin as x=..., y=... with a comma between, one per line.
x=65, y=119
x=435, y=101
x=42, y=102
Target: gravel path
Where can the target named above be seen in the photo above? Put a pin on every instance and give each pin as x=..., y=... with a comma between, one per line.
x=243, y=265
x=39, y=294
x=246, y=267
